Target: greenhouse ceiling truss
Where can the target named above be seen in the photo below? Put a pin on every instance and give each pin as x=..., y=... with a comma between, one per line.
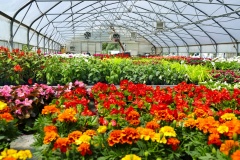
x=187, y=22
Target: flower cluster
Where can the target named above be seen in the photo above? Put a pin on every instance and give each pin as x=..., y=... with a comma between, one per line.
x=12, y=154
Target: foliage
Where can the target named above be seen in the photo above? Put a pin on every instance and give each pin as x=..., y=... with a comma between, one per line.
x=228, y=76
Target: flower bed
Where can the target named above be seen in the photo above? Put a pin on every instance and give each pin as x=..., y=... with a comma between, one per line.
x=141, y=122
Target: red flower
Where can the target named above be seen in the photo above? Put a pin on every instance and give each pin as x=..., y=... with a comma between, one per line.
x=17, y=68
x=30, y=81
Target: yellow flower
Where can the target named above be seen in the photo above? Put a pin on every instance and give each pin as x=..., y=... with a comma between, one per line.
x=102, y=129
x=24, y=154
x=228, y=116
x=83, y=139
x=222, y=129
x=168, y=131
x=158, y=137
x=11, y=151
x=131, y=157
x=2, y=105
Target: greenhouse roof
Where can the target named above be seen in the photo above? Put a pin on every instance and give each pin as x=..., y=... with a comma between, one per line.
x=163, y=23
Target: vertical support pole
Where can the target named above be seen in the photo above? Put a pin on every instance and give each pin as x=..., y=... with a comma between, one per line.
x=44, y=44
x=28, y=37
x=200, y=47
x=216, y=51
x=237, y=48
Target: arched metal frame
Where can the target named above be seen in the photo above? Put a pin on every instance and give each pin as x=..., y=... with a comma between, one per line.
x=57, y=35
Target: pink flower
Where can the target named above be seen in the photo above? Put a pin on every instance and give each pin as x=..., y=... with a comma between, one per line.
x=80, y=84
x=114, y=123
x=17, y=102
x=5, y=91
x=18, y=111
x=27, y=102
x=105, y=122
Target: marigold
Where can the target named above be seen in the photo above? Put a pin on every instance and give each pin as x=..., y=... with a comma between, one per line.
x=50, y=109
x=102, y=129
x=146, y=133
x=134, y=122
x=227, y=146
x=24, y=154
x=114, y=137
x=90, y=132
x=62, y=144
x=199, y=112
x=228, y=116
x=236, y=155
x=190, y=122
x=152, y=125
x=168, y=131
x=233, y=127
x=222, y=129
x=6, y=116
x=214, y=138
x=133, y=115
x=131, y=157
x=50, y=128
x=73, y=136
x=83, y=139
x=129, y=135
x=68, y=115
x=84, y=149
x=159, y=137
x=174, y=142
x=207, y=124
x=9, y=158
x=2, y=105
x=49, y=137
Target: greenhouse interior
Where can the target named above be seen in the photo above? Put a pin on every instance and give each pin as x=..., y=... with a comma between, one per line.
x=120, y=80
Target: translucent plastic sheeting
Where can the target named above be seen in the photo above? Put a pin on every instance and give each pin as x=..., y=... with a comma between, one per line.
x=187, y=22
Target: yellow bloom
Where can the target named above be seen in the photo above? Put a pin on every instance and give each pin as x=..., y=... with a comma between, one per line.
x=11, y=151
x=24, y=154
x=83, y=139
x=102, y=129
x=168, y=131
x=131, y=157
x=2, y=105
x=228, y=116
x=158, y=137
x=222, y=129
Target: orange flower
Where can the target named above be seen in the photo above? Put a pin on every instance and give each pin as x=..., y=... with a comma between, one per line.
x=90, y=132
x=129, y=135
x=50, y=129
x=17, y=68
x=207, y=125
x=84, y=149
x=6, y=116
x=214, y=139
x=62, y=144
x=190, y=122
x=133, y=115
x=164, y=115
x=233, y=127
x=227, y=146
x=114, y=137
x=236, y=155
x=50, y=109
x=72, y=137
x=68, y=115
x=146, y=133
x=9, y=158
x=152, y=125
x=181, y=116
x=134, y=122
x=201, y=113
x=174, y=142
x=49, y=137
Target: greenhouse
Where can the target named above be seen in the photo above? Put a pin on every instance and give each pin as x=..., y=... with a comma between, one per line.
x=120, y=80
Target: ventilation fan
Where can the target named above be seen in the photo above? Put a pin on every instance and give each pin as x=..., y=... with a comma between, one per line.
x=160, y=25
x=87, y=35
x=133, y=35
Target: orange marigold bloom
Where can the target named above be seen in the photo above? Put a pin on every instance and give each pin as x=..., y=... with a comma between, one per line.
x=133, y=115
x=164, y=115
x=181, y=116
x=236, y=155
x=114, y=137
x=6, y=116
x=72, y=137
x=233, y=127
x=49, y=137
x=152, y=125
x=68, y=115
x=50, y=109
x=62, y=144
x=134, y=122
x=214, y=139
x=190, y=122
x=9, y=158
x=84, y=149
x=174, y=142
x=227, y=146
x=129, y=135
x=207, y=125
x=146, y=133
x=90, y=132
x=50, y=128
x=200, y=113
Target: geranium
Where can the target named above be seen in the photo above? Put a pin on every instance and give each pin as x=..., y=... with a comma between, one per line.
x=168, y=131
x=131, y=157
x=84, y=149
x=17, y=68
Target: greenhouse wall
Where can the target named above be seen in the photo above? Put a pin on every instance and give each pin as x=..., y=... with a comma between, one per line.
x=4, y=28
